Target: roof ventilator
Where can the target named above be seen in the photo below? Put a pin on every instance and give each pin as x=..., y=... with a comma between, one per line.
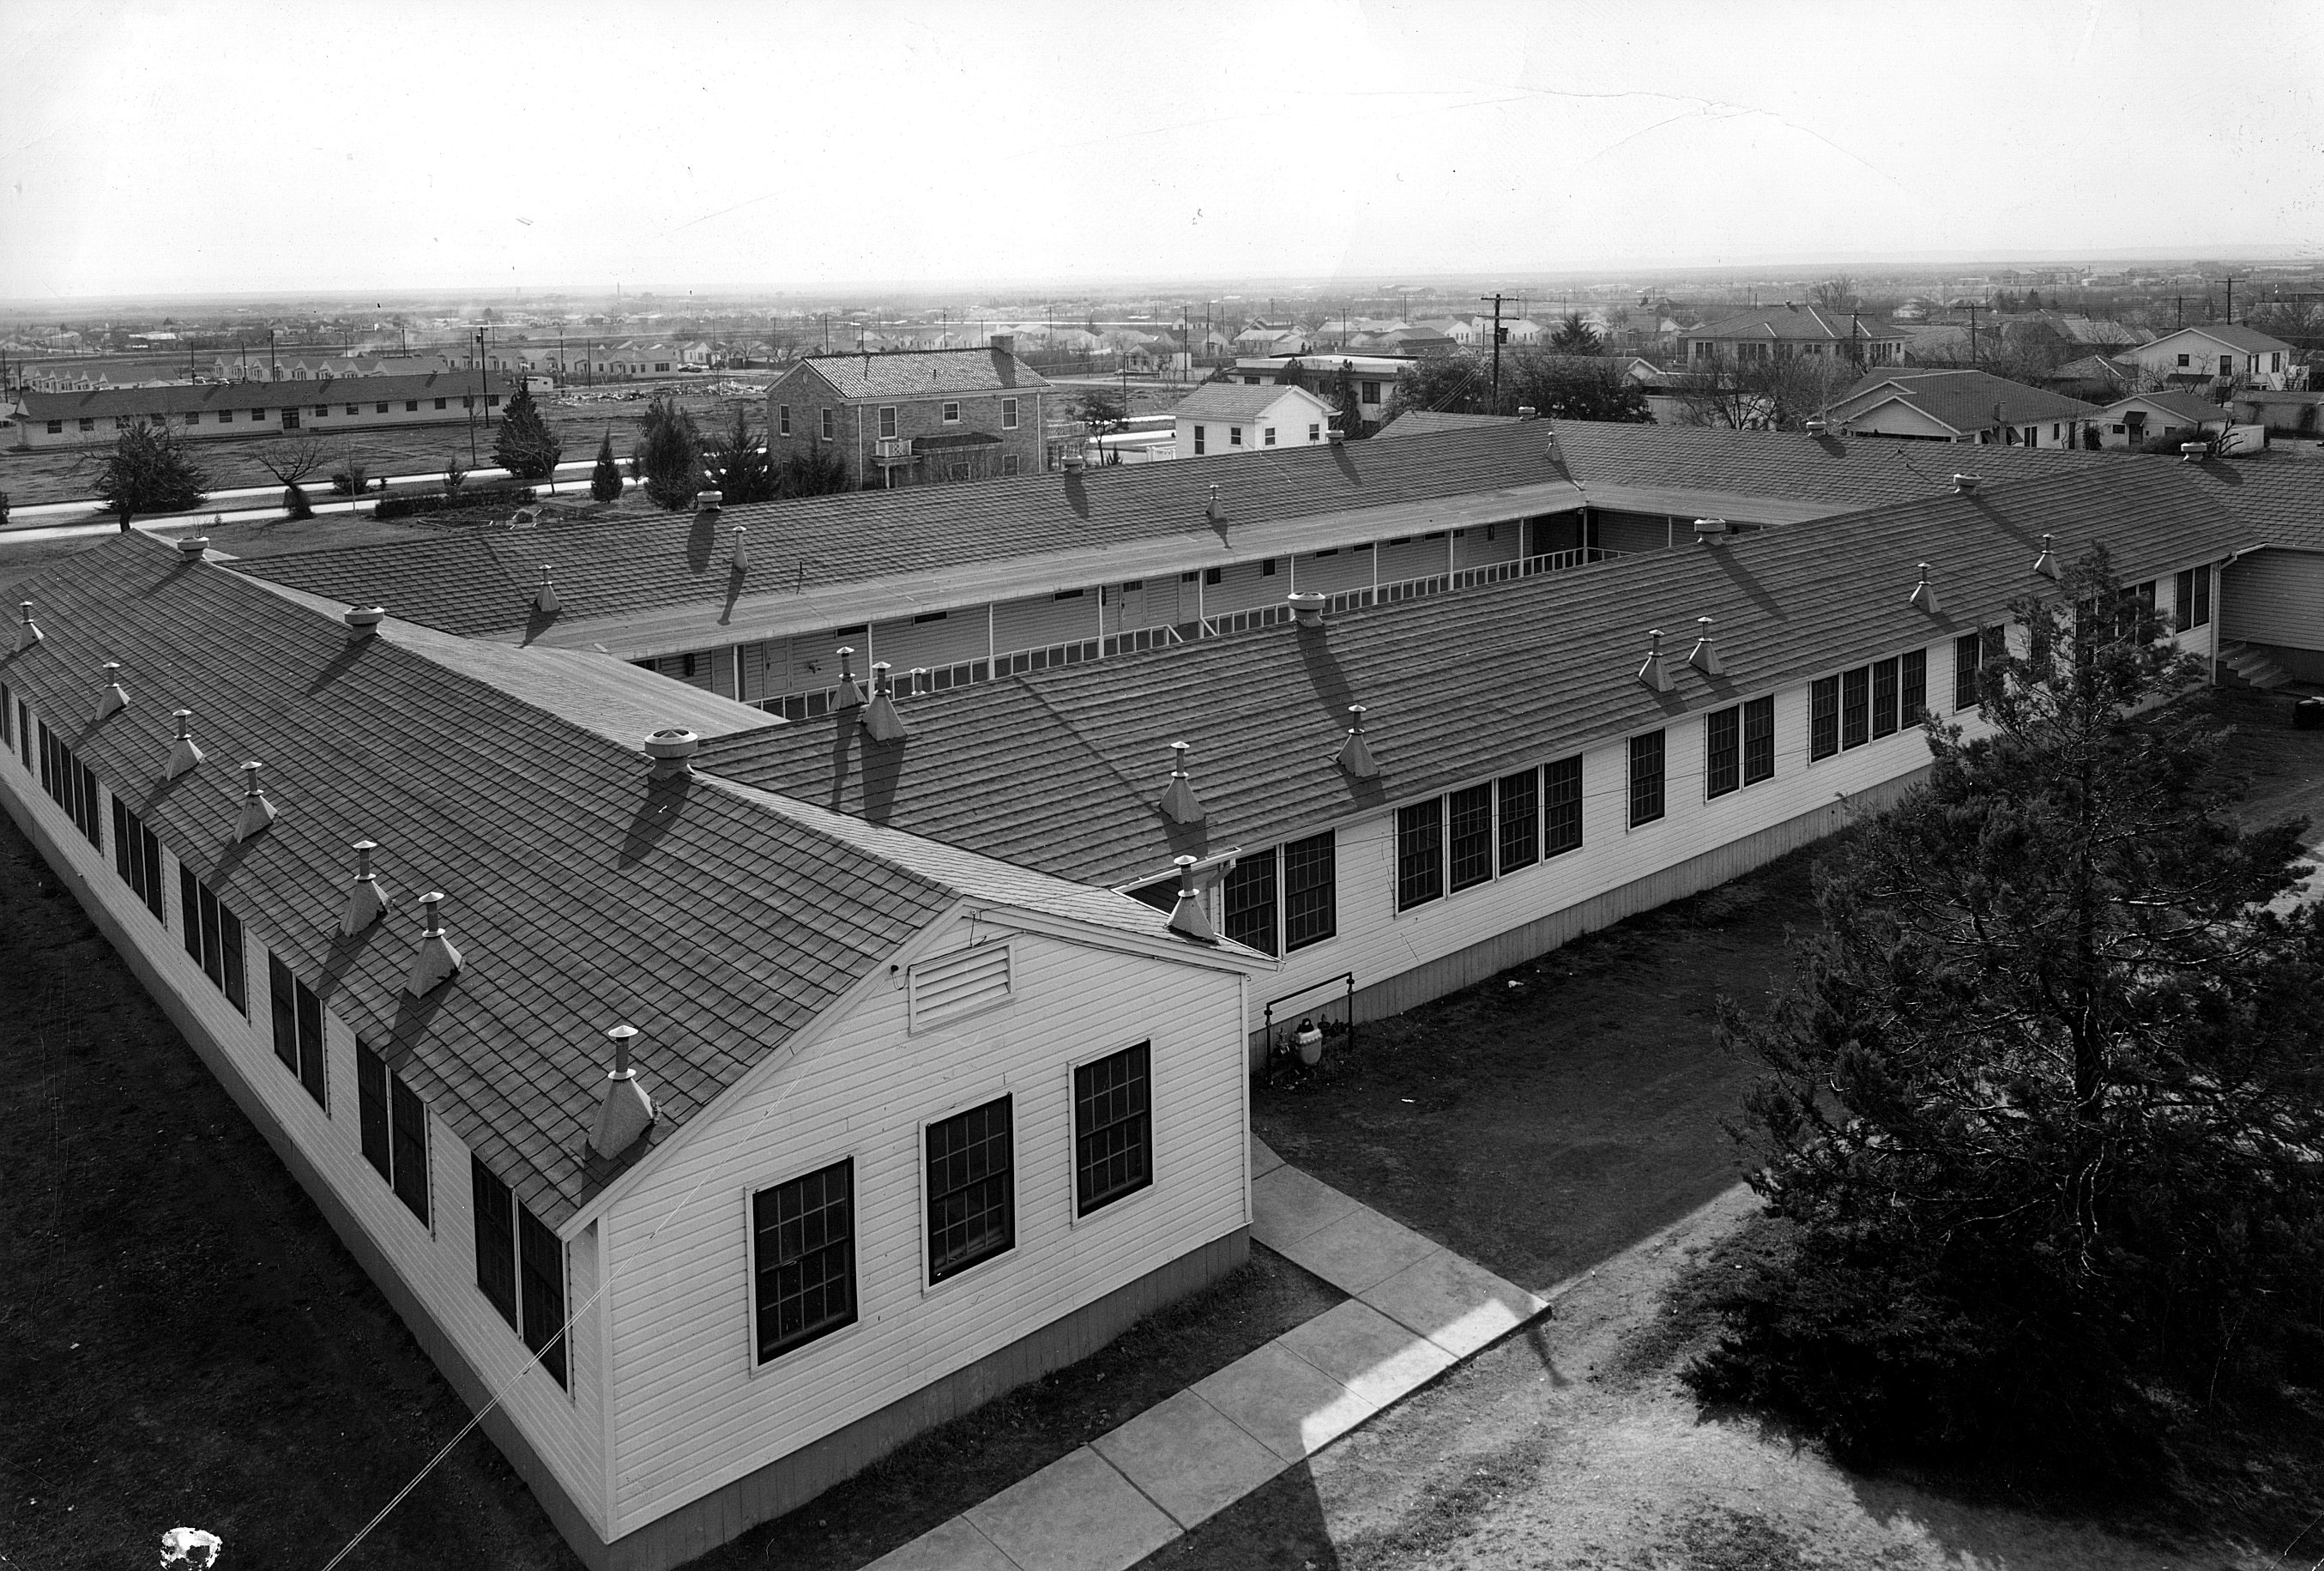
x=193, y=545
x=848, y=696
x=706, y=503
x=2193, y=452
x=1215, y=511
x=363, y=621
x=1704, y=656
x=1339, y=439
x=879, y=718
x=257, y=812
x=1966, y=485
x=116, y=697
x=1178, y=803
x=1186, y=913
x=1817, y=425
x=436, y=961
x=1308, y=607
x=2046, y=564
x=1710, y=531
x=544, y=597
x=184, y=756
x=672, y=752
x=29, y=632
x=1355, y=752
x=1924, y=594
x=367, y=901
x=742, y=550
x=1652, y=673
x=624, y=1112
x=1528, y=411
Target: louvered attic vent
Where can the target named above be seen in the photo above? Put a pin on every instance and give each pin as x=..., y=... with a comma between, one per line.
x=941, y=990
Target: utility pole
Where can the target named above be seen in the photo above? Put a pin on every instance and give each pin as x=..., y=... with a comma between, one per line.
x=1972, y=332
x=2231, y=302
x=1497, y=349
x=2179, y=317
x=272, y=374
x=480, y=397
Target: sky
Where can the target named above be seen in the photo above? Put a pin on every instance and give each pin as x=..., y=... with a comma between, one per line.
x=150, y=148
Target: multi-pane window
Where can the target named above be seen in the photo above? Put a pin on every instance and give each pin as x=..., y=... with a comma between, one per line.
x=393, y=1122
x=1113, y=1128
x=887, y=421
x=1967, y=649
x=2191, y=598
x=1646, y=778
x=72, y=784
x=1520, y=826
x=1310, y=891
x=1884, y=697
x=804, y=1248
x=1008, y=414
x=1248, y=902
x=829, y=427
x=1722, y=751
x=971, y=1189
x=782, y=420
x=1471, y=840
x=298, y=1026
x=1561, y=806
x=137, y=857
x=1419, y=852
x=1856, y=707
x=540, y=1281
x=495, y=1216
x=1913, y=684
x=951, y=413
x=213, y=937
x=1758, y=740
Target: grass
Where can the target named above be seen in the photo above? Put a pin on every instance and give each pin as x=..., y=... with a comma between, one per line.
x=183, y=1341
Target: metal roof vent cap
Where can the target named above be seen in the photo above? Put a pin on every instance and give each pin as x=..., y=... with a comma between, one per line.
x=184, y=755
x=1338, y=437
x=1072, y=462
x=1652, y=673
x=1186, y=913
x=1308, y=607
x=879, y=718
x=1924, y=594
x=742, y=550
x=1528, y=411
x=436, y=961
x=1704, y=656
x=257, y=812
x=849, y=695
x=29, y=632
x=624, y=1110
x=1178, y=803
x=672, y=752
x=1817, y=425
x=1966, y=485
x=544, y=597
x=708, y=503
x=1355, y=752
x=1710, y=531
x=2192, y=452
x=368, y=900
x=364, y=620
x=1215, y=511
x=193, y=545
x=2046, y=564
x=115, y=698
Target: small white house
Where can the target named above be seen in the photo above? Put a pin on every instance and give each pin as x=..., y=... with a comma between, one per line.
x=1220, y=418
x=2172, y=415
x=2231, y=351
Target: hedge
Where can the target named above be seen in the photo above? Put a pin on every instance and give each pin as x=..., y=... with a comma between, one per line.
x=470, y=497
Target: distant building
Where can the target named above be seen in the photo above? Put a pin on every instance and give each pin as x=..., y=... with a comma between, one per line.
x=201, y=410
x=2174, y=414
x=1374, y=377
x=1220, y=418
x=914, y=417
x=1961, y=406
x=2228, y=352
x=1788, y=331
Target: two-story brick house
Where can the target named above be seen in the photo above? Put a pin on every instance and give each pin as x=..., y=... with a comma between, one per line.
x=913, y=417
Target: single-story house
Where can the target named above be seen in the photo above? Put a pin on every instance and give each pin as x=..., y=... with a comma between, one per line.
x=2230, y=352
x=1960, y=406
x=1221, y=417
x=2172, y=414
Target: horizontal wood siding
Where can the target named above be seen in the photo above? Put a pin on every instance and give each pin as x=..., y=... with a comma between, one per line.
x=433, y=1264
x=2275, y=597
x=1641, y=531
x=693, y=1416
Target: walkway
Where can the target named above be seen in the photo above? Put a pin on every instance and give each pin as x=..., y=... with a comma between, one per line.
x=1415, y=1310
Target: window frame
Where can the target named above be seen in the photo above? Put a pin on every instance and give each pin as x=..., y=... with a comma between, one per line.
x=1410, y=876
x=950, y=411
x=1758, y=739
x=1633, y=780
x=1554, y=796
x=1329, y=885
x=1008, y=414
x=1080, y=1210
x=137, y=849
x=763, y=1357
x=1244, y=869
x=291, y=1001
x=1722, y=751
x=213, y=930
x=379, y=1114
x=931, y=1278
x=1506, y=818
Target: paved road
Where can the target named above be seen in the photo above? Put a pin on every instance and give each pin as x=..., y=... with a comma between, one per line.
x=52, y=510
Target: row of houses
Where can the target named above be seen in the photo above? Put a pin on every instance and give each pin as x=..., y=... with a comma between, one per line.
x=729, y=1087
x=206, y=410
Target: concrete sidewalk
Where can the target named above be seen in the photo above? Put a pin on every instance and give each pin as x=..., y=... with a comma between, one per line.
x=1414, y=1309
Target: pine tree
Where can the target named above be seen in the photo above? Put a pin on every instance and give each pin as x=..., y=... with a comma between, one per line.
x=605, y=479
x=671, y=454
x=737, y=460
x=525, y=447
x=148, y=471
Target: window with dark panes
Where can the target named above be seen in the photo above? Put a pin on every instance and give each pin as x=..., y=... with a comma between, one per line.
x=971, y=1189
x=1113, y=1128
x=137, y=857
x=1722, y=751
x=1856, y=707
x=393, y=1124
x=72, y=785
x=1310, y=891
x=804, y=1235
x=298, y=1026
x=1913, y=685
x=1520, y=815
x=495, y=1230
x=1823, y=717
x=1884, y=697
x=1561, y=806
x=1419, y=852
x=540, y=1277
x=1646, y=778
x=2191, y=598
x=1966, y=665
x=1471, y=843
x=1246, y=902
x=1758, y=740
x=213, y=937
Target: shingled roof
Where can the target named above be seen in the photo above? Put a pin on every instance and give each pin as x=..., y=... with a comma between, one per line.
x=174, y=398
x=1965, y=400
x=581, y=894
x=1063, y=770
x=905, y=373
x=1790, y=323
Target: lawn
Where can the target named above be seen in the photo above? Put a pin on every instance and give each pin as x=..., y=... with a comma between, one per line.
x=184, y=1342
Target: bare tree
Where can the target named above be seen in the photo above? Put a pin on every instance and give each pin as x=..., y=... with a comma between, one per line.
x=1836, y=293
x=292, y=460
x=1761, y=395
